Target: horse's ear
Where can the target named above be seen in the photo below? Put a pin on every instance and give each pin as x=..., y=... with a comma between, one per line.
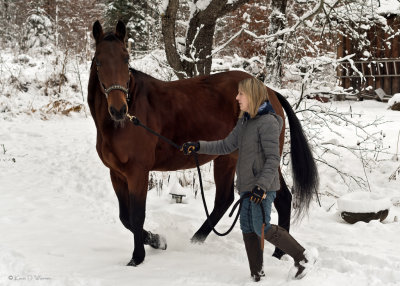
x=97, y=31
x=120, y=31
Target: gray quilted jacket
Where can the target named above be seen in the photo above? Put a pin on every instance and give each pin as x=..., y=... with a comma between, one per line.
x=257, y=140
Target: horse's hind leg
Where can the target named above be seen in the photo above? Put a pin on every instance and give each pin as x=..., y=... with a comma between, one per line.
x=224, y=174
x=283, y=204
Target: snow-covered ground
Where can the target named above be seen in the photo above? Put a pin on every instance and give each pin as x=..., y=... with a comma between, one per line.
x=59, y=220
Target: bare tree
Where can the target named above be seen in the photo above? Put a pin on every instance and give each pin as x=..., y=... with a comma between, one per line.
x=274, y=50
x=197, y=55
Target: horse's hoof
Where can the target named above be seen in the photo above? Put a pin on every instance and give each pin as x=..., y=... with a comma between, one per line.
x=137, y=258
x=132, y=263
x=135, y=262
x=162, y=243
x=156, y=241
x=198, y=239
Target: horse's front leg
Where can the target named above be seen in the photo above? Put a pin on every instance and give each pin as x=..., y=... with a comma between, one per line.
x=137, y=193
x=137, y=186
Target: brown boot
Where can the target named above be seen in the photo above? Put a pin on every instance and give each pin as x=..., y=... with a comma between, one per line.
x=254, y=255
x=279, y=237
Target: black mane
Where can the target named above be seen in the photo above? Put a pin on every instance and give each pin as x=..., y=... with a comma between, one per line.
x=110, y=36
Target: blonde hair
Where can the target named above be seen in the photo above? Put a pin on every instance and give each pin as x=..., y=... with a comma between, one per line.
x=256, y=93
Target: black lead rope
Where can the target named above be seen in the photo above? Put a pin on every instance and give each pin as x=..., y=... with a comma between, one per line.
x=137, y=122
x=205, y=204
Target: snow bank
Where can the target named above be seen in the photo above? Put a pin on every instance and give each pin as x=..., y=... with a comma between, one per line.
x=363, y=202
x=394, y=99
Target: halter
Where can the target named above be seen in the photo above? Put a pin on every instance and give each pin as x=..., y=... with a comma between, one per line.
x=105, y=90
x=116, y=87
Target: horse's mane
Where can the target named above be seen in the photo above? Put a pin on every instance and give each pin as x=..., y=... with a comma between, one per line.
x=141, y=75
x=110, y=36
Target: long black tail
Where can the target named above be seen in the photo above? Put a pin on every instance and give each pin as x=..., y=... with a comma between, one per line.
x=305, y=173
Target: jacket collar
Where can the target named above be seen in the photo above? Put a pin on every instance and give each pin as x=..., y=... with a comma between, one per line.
x=265, y=108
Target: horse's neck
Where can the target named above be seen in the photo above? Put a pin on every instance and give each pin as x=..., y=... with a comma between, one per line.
x=145, y=86
x=141, y=76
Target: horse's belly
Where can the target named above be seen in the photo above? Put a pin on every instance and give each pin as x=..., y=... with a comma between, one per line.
x=187, y=162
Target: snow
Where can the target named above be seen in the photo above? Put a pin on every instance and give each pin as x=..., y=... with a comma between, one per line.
x=394, y=99
x=163, y=6
x=312, y=257
x=59, y=216
x=174, y=187
x=195, y=7
x=202, y=4
x=363, y=202
x=389, y=7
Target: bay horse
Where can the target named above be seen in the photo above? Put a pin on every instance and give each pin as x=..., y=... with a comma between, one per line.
x=203, y=107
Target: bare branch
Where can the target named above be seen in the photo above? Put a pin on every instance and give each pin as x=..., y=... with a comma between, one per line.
x=291, y=29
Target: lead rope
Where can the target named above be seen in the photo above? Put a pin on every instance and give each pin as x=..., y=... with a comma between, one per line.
x=137, y=122
x=263, y=227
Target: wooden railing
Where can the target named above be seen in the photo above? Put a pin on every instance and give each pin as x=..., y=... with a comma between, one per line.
x=372, y=68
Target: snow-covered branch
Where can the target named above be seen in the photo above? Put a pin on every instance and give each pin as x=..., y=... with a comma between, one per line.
x=291, y=29
x=326, y=128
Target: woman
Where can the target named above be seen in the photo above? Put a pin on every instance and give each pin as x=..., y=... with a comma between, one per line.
x=256, y=137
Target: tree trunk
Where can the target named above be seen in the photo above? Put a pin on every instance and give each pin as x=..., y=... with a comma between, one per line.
x=168, y=20
x=274, y=49
x=198, y=48
x=197, y=57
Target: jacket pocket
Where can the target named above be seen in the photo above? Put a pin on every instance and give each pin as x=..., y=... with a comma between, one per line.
x=254, y=169
x=257, y=166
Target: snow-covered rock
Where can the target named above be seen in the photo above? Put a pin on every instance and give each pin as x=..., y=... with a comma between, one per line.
x=363, y=202
x=394, y=99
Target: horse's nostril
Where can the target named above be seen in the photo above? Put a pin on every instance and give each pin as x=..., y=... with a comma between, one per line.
x=123, y=110
x=113, y=111
x=118, y=115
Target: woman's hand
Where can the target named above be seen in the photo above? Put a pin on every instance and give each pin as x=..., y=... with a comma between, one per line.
x=257, y=195
x=189, y=147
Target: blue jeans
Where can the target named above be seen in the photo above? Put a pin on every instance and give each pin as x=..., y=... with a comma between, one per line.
x=251, y=215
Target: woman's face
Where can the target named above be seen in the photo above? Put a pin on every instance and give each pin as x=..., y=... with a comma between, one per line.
x=243, y=100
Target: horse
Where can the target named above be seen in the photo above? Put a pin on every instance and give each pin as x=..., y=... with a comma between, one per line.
x=202, y=107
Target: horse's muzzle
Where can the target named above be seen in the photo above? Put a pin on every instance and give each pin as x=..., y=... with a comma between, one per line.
x=118, y=115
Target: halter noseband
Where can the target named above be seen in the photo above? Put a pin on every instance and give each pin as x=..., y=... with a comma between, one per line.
x=116, y=87
x=106, y=91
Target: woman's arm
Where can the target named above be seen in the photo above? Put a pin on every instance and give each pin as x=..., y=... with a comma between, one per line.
x=221, y=147
x=269, y=138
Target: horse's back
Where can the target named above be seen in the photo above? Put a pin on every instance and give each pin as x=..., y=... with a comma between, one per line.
x=209, y=100
x=220, y=84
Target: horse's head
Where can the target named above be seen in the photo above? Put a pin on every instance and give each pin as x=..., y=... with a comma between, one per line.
x=112, y=64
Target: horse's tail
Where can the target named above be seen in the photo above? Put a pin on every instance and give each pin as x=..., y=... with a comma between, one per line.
x=305, y=173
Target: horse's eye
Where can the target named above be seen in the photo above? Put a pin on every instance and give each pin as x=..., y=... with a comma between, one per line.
x=127, y=60
x=98, y=63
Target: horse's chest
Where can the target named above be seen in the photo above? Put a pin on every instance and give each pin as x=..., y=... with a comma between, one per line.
x=112, y=154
